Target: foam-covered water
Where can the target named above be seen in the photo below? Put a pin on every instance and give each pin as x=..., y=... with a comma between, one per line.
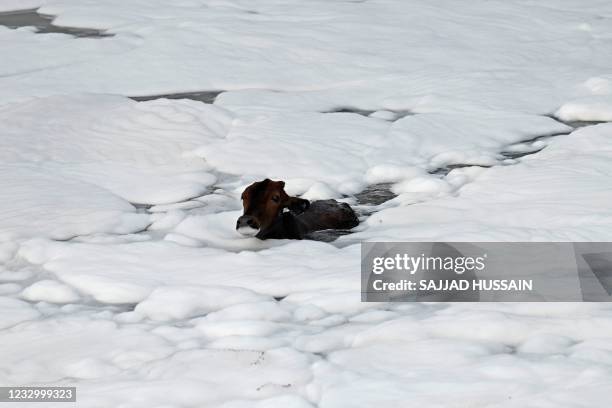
x=120, y=268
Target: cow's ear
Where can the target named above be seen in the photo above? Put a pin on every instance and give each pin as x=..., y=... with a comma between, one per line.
x=297, y=205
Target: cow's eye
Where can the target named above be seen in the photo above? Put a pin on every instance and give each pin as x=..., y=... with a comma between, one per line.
x=276, y=199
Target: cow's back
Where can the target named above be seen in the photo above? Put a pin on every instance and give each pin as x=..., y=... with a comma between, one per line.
x=328, y=214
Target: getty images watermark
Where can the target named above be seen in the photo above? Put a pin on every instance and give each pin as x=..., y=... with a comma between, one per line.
x=486, y=271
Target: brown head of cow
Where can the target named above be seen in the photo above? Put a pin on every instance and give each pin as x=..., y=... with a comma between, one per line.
x=263, y=203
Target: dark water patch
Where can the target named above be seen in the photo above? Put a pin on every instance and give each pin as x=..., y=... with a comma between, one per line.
x=375, y=194
x=575, y=123
x=583, y=123
x=200, y=96
x=542, y=137
x=443, y=171
x=121, y=308
x=142, y=207
x=44, y=24
x=509, y=349
x=391, y=115
x=508, y=154
x=279, y=298
x=362, y=112
x=402, y=114
x=518, y=155
x=328, y=235
x=384, y=114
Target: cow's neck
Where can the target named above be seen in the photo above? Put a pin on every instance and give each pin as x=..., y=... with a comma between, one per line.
x=286, y=226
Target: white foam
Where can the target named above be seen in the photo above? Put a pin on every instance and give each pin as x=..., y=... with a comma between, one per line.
x=541, y=198
x=191, y=313
x=172, y=303
x=593, y=108
x=138, y=151
x=50, y=291
x=33, y=203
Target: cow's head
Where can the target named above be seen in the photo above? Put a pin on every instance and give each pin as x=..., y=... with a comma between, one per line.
x=263, y=202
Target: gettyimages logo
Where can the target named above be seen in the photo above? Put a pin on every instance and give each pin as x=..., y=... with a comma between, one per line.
x=496, y=271
x=412, y=264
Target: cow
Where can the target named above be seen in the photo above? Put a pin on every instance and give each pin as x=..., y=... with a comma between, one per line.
x=270, y=213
